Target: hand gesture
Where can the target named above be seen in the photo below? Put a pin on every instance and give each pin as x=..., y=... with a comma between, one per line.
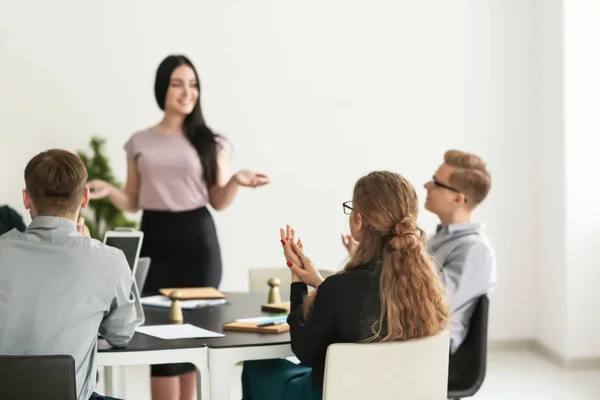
x=287, y=238
x=82, y=228
x=306, y=271
x=99, y=189
x=249, y=178
x=349, y=242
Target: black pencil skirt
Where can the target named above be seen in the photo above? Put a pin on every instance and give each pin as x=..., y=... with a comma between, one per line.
x=185, y=252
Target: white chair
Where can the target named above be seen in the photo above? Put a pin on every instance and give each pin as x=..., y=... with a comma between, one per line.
x=415, y=370
x=260, y=276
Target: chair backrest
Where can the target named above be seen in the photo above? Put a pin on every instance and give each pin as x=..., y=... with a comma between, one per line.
x=468, y=363
x=142, y=272
x=10, y=219
x=415, y=369
x=260, y=276
x=37, y=377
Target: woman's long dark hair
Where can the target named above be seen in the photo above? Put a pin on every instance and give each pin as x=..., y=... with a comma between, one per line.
x=198, y=133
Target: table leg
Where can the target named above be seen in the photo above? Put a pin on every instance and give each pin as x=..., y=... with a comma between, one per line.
x=202, y=379
x=114, y=381
x=221, y=362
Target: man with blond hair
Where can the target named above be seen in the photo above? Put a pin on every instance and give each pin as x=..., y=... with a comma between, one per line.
x=60, y=288
x=460, y=245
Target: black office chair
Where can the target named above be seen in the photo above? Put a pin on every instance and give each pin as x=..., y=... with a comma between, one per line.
x=37, y=377
x=468, y=364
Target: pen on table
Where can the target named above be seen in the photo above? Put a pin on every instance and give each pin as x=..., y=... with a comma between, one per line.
x=269, y=324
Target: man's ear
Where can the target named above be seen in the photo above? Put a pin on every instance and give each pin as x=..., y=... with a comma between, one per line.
x=26, y=199
x=86, y=197
x=460, y=199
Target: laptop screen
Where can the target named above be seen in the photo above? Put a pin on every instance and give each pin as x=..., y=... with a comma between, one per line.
x=127, y=244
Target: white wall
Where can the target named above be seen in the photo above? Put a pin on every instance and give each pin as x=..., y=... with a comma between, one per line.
x=568, y=86
x=313, y=93
x=551, y=274
x=512, y=138
x=582, y=125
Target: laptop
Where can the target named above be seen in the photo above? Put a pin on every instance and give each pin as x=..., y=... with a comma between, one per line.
x=129, y=241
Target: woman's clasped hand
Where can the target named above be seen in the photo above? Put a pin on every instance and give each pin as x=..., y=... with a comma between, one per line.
x=302, y=268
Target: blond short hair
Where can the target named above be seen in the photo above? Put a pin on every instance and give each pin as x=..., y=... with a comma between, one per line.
x=470, y=176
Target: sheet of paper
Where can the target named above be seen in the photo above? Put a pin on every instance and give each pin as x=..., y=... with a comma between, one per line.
x=165, y=302
x=177, y=331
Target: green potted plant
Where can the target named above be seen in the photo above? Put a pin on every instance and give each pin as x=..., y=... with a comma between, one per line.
x=105, y=216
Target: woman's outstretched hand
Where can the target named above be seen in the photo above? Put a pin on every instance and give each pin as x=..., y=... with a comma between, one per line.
x=249, y=178
x=99, y=189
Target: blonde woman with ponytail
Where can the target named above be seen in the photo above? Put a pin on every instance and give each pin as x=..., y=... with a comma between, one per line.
x=389, y=291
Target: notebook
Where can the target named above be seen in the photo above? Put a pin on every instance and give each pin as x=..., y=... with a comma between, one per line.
x=253, y=327
x=278, y=324
x=196, y=293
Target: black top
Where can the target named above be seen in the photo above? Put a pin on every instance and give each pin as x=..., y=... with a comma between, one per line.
x=344, y=309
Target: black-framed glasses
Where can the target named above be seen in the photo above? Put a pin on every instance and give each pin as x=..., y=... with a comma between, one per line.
x=347, y=206
x=436, y=183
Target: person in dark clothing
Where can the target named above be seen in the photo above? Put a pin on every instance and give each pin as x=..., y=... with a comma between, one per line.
x=10, y=219
x=389, y=291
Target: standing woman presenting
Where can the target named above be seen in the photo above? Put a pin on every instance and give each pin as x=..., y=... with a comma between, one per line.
x=174, y=170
